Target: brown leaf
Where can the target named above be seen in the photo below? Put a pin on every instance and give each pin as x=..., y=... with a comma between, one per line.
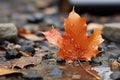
x=114, y=65
x=5, y=71
x=25, y=53
x=40, y=50
x=26, y=33
x=25, y=61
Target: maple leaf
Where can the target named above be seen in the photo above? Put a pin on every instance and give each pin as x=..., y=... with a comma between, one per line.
x=75, y=43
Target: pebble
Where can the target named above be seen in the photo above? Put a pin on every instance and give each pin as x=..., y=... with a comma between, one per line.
x=31, y=77
x=38, y=16
x=115, y=76
x=56, y=72
x=112, y=46
x=2, y=58
x=8, y=31
x=60, y=61
x=111, y=32
x=25, y=42
x=35, y=18
x=92, y=26
x=5, y=43
x=26, y=48
x=10, y=54
x=96, y=60
x=113, y=55
x=118, y=59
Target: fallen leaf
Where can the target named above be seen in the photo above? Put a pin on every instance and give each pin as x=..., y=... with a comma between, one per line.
x=26, y=33
x=40, y=50
x=114, y=65
x=75, y=43
x=26, y=61
x=5, y=71
x=25, y=53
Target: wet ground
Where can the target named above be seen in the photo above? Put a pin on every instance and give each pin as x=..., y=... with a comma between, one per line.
x=46, y=66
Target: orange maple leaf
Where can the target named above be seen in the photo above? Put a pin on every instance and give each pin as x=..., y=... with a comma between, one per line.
x=75, y=43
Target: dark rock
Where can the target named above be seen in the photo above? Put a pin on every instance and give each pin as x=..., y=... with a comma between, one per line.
x=27, y=49
x=5, y=43
x=2, y=58
x=56, y=72
x=112, y=46
x=60, y=61
x=115, y=76
x=31, y=19
x=25, y=42
x=111, y=32
x=8, y=31
x=35, y=18
x=118, y=59
x=10, y=54
x=38, y=16
x=96, y=60
x=113, y=55
x=39, y=34
x=31, y=77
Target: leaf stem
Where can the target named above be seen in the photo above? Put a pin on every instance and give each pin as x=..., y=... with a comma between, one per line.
x=97, y=77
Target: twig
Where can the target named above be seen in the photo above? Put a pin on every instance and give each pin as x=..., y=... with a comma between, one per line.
x=97, y=77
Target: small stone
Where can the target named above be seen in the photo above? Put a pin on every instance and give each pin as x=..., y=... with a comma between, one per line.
x=5, y=43
x=38, y=16
x=32, y=77
x=60, y=61
x=112, y=46
x=111, y=32
x=115, y=76
x=118, y=59
x=31, y=19
x=96, y=60
x=113, y=55
x=2, y=58
x=51, y=10
x=56, y=72
x=27, y=49
x=35, y=18
x=8, y=31
x=76, y=76
x=10, y=54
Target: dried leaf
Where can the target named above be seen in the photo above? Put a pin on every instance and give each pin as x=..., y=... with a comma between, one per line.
x=75, y=43
x=26, y=33
x=25, y=53
x=25, y=61
x=5, y=71
x=114, y=65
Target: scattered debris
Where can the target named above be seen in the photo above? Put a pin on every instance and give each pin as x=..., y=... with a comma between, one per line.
x=5, y=71
x=26, y=61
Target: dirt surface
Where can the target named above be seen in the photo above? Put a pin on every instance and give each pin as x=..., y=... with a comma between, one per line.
x=37, y=57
